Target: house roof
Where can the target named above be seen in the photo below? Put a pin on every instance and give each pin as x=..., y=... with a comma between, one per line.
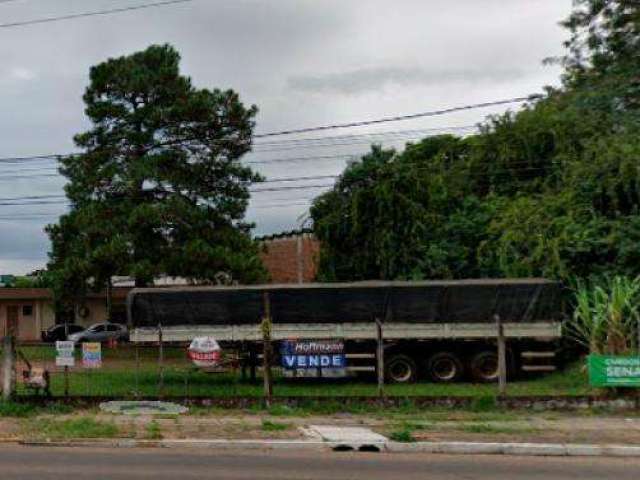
x=47, y=294
x=25, y=294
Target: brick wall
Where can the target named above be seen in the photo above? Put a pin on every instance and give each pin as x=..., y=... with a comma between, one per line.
x=284, y=264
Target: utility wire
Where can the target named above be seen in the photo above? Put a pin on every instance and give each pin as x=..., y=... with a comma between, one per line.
x=398, y=118
x=35, y=199
x=92, y=14
x=297, y=143
x=512, y=168
x=509, y=167
x=327, y=127
x=15, y=201
x=390, y=133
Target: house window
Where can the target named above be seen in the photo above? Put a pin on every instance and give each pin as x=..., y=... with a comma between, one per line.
x=27, y=310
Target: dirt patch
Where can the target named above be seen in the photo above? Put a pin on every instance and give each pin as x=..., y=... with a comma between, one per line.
x=10, y=428
x=183, y=427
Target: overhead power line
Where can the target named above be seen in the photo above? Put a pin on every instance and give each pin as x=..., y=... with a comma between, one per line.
x=386, y=134
x=32, y=197
x=31, y=158
x=303, y=159
x=91, y=14
x=291, y=144
x=433, y=113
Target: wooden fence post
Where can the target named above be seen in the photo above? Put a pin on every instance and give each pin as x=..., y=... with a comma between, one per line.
x=266, y=350
x=8, y=366
x=502, y=357
x=66, y=368
x=160, y=362
x=380, y=357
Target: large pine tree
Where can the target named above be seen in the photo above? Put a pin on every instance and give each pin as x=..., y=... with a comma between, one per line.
x=159, y=187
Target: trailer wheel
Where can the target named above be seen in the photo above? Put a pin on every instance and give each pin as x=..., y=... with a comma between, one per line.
x=400, y=369
x=444, y=367
x=484, y=367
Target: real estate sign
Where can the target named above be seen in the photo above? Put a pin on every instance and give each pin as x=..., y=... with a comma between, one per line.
x=65, y=354
x=313, y=358
x=91, y=355
x=609, y=371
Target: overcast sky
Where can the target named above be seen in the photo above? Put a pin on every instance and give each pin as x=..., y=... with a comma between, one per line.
x=303, y=62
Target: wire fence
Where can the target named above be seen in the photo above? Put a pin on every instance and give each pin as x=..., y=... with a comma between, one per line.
x=128, y=371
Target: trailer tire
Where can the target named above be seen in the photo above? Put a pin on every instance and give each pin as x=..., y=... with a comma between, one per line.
x=400, y=369
x=444, y=367
x=484, y=367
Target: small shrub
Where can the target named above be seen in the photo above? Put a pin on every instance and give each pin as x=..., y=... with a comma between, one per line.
x=280, y=410
x=404, y=436
x=57, y=409
x=153, y=431
x=269, y=426
x=483, y=404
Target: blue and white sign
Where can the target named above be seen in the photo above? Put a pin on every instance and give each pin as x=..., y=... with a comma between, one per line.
x=313, y=358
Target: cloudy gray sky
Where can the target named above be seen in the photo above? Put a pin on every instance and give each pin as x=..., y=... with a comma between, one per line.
x=303, y=62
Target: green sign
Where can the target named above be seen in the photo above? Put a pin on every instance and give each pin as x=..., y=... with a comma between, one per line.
x=606, y=371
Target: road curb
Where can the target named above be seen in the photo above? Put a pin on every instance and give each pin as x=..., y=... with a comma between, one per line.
x=451, y=448
x=186, y=443
x=517, y=449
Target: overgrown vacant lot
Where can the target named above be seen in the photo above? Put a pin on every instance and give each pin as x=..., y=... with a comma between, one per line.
x=126, y=373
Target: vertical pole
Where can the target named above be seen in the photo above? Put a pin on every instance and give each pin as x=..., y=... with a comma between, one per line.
x=8, y=366
x=639, y=337
x=160, y=362
x=66, y=382
x=502, y=357
x=66, y=368
x=380, y=357
x=108, y=299
x=252, y=364
x=266, y=352
x=87, y=381
x=243, y=363
x=137, y=369
x=299, y=263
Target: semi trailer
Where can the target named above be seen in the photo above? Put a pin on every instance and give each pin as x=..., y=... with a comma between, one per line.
x=441, y=330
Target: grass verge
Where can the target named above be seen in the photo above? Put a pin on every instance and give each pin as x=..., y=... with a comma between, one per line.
x=490, y=429
x=21, y=410
x=73, y=428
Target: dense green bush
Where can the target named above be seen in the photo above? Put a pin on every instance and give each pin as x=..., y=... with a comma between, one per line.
x=552, y=190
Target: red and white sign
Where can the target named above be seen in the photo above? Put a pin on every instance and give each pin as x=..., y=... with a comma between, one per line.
x=205, y=352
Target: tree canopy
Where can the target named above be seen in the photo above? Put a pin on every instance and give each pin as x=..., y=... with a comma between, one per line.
x=551, y=190
x=159, y=187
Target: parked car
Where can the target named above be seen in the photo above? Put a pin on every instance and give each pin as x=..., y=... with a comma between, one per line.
x=59, y=332
x=101, y=332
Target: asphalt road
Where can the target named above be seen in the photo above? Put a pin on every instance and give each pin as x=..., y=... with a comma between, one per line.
x=31, y=463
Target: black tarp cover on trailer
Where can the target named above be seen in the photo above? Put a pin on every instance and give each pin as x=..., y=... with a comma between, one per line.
x=455, y=301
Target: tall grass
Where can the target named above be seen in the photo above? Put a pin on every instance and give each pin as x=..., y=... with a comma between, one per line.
x=606, y=315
